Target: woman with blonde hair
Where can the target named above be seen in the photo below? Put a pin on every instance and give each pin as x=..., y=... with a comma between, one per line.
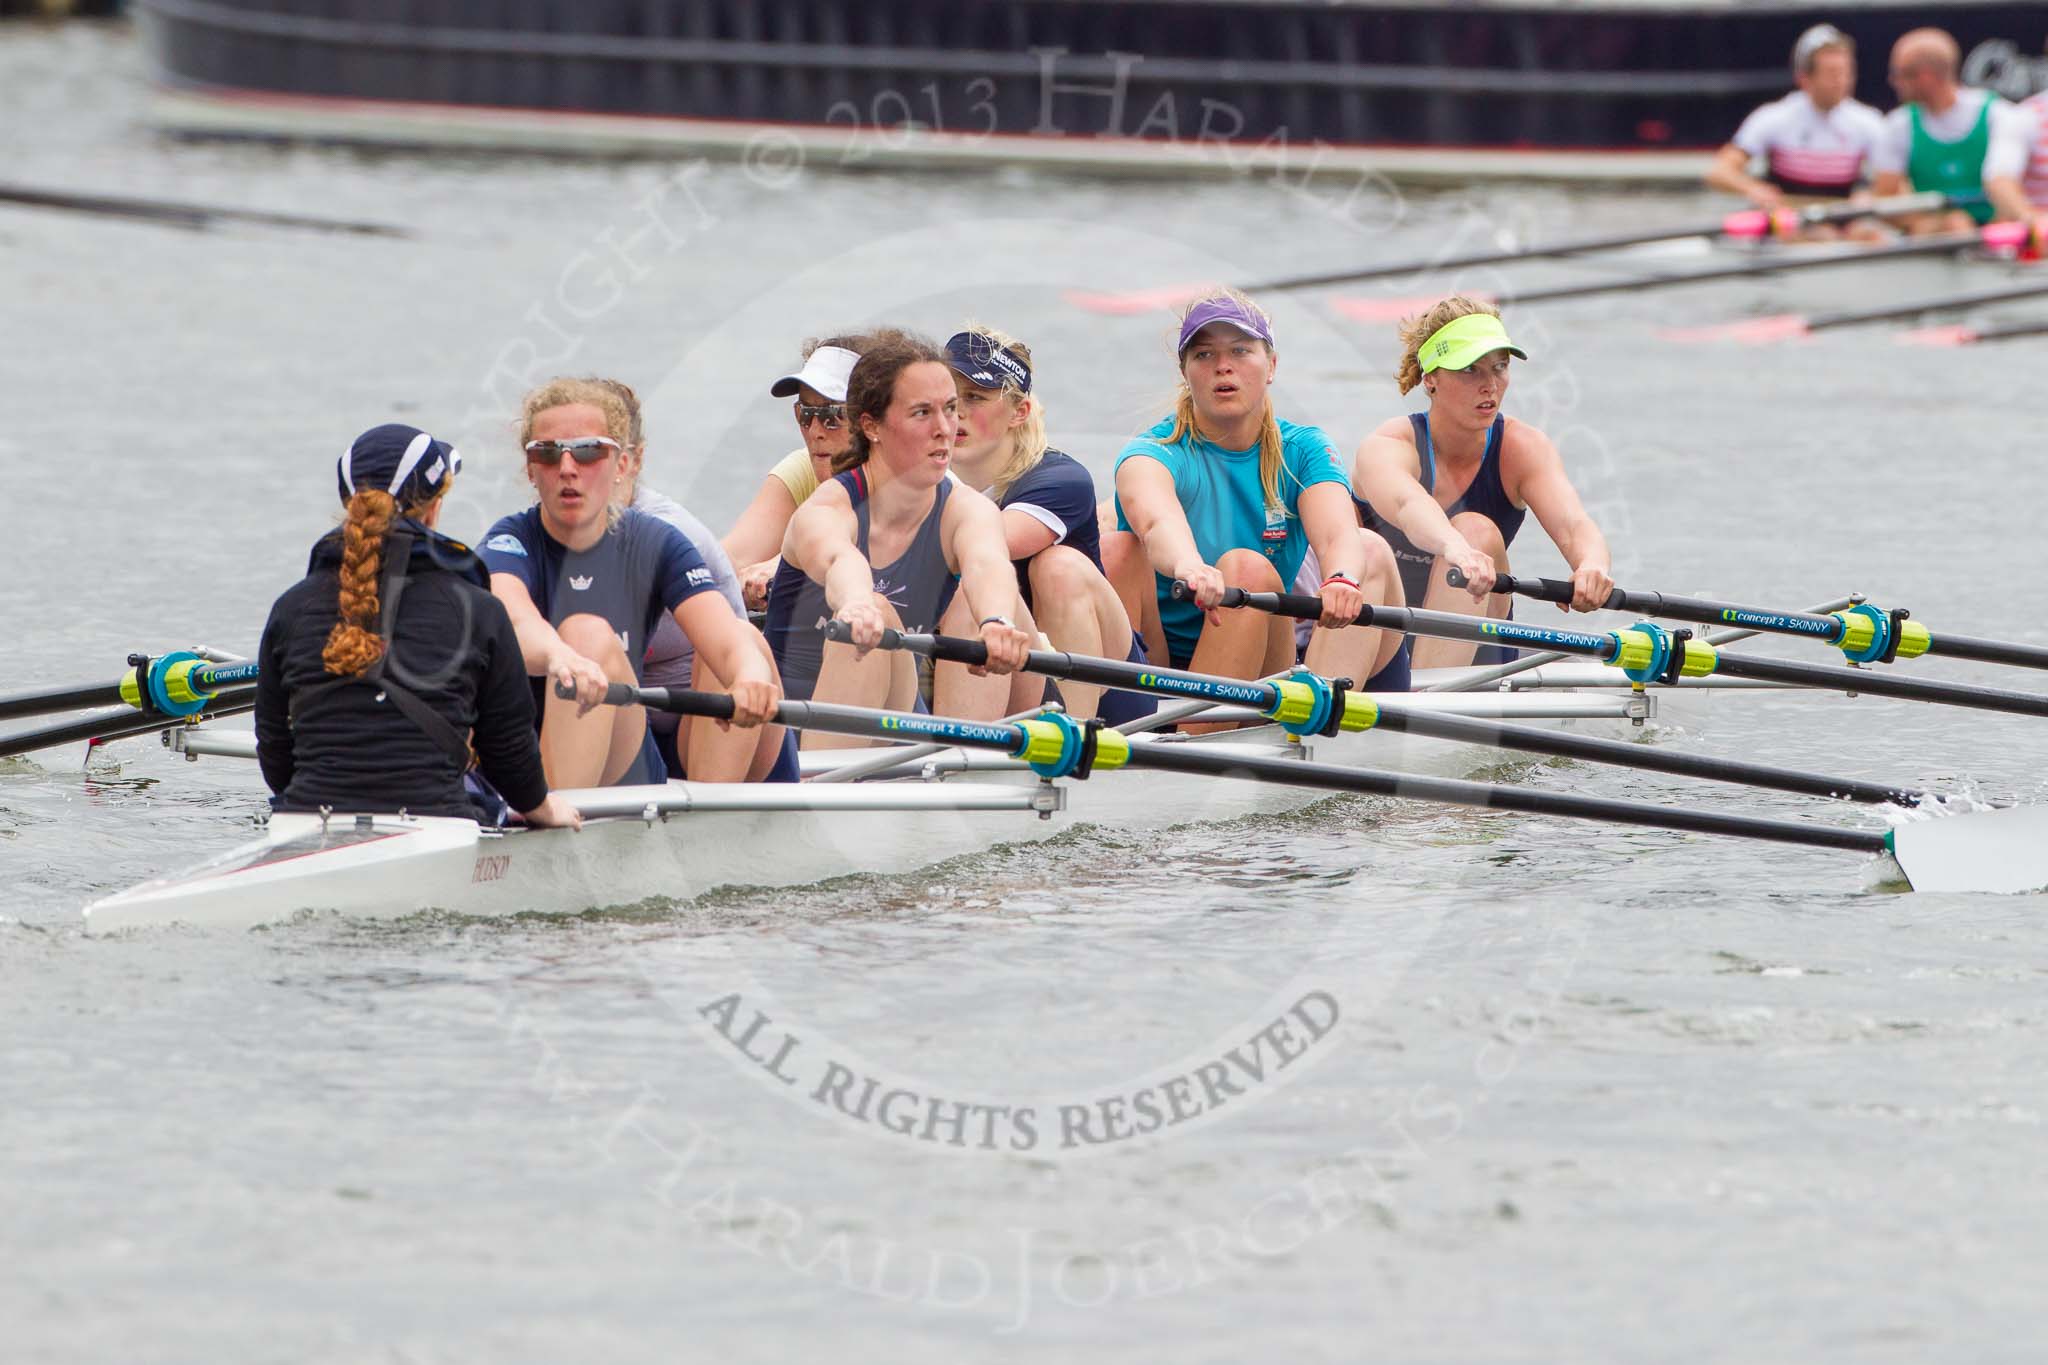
x=585, y=579
x=1048, y=504
x=390, y=663
x=711, y=754
x=1222, y=493
x=1448, y=487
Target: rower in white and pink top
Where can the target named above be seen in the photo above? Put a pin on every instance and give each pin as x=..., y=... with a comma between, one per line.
x=2035, y=181
x=1814, y=143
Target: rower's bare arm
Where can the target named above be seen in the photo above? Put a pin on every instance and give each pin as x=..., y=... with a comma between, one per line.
x=1729, y=171
x=977, y=551
x=2009, y=201
x=729, y=646
x=1544, y=488
x=542, y=650
x=1387, y=473
x=1026, y=534
x=1145, y=488
x=1889, y=183
x=1330, y=520
x=822, y=542
x=758, y=534
x=538, y=642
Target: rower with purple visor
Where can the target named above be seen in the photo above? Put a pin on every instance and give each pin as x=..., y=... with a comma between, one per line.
x=1223, y=493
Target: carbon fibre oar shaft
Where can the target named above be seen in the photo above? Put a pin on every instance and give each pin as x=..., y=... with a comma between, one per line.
x=182, y=680
x=1697, y=659
x=1916, y=638
x=1031, y=740
x=104, y=725
x=1743, y=224
x=1390, y=714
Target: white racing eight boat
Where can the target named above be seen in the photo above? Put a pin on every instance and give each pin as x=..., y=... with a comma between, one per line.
x=894, y=809
x=679, y=840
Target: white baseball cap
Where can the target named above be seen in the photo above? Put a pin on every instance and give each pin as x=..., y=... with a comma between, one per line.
x=826, y=371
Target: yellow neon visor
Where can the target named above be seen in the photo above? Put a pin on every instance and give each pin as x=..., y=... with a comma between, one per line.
x=1463, y=340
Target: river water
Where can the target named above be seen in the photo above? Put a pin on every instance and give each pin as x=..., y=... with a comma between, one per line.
x=1588, y=1094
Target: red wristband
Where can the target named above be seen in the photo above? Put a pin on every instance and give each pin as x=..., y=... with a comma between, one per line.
x=1346, y=579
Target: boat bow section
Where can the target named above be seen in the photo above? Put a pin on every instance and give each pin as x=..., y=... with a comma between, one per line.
x=310, y=862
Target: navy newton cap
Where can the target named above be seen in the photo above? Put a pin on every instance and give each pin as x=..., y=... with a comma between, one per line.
x=397, y=459
x=985, y=364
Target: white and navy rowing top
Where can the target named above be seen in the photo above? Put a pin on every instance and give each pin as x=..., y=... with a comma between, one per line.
x=1059, y=494
x=670, y=655
x=638, y=571
x=1806, y=151
x=2036, y=178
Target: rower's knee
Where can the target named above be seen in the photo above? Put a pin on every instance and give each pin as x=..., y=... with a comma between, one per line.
x=593, y=638
x=1060, y=573
x=763, y=648
x=1382, y=570
x=1119, y=548
x=1250, y=570
x=1481, y=534
x=888, y=610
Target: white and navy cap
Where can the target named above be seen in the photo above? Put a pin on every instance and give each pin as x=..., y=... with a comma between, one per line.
x=826, y=370
x=400, y=460
x=986, y=365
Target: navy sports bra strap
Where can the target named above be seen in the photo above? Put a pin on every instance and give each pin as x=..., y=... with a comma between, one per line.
x=1424, y=450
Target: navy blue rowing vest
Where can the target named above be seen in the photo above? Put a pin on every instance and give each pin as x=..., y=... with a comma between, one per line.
x=919, y=585
x=1486, y=496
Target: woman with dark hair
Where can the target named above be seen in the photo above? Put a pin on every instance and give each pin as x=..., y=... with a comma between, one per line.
x=364, y=705
x=890, y=542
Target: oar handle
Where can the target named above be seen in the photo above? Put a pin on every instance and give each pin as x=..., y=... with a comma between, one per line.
x=1540, y=589
x=1298, y=605
x=679, y=701
x=941, y=648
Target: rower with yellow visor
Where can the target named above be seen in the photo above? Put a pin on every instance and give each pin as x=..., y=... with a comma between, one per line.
x=1448, y=487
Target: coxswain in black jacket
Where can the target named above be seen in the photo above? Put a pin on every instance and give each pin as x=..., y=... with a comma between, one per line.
x=447, y=679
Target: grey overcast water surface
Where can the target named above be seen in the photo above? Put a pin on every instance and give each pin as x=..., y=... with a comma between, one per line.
x=1593, y=1094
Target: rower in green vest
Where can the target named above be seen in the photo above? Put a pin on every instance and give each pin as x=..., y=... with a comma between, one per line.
x=1953, y=167
x=1949, y=137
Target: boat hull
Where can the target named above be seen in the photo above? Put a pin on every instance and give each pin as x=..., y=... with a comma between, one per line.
x=679, y=840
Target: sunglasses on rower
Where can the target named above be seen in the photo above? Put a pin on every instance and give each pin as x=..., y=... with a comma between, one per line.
x=833, y=415
x=586, y=450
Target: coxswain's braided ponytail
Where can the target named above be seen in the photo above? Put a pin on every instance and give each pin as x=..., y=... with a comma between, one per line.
x=354, y=645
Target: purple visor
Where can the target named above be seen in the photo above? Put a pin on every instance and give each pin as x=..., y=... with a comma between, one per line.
x=1224, y=310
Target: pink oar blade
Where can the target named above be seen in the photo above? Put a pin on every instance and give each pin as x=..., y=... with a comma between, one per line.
x=1752, y=331
x=1134, y=301
x=1954, y=334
